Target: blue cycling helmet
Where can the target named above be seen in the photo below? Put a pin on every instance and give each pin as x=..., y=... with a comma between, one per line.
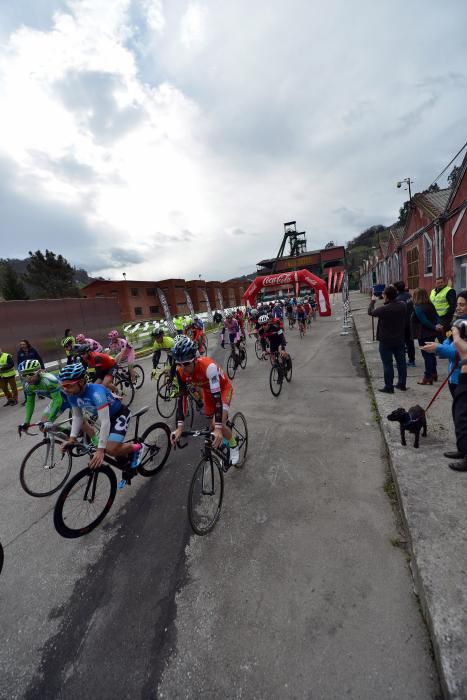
x=184, y=350
x=71, y=373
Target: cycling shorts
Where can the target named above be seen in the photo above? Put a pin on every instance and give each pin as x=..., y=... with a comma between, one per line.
x=208, y=401
x=119, y=425
x=101, y=373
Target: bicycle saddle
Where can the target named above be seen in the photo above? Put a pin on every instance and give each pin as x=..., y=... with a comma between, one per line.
x=140, y=412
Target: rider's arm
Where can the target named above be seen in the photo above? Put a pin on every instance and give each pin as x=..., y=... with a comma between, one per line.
x=30, y=404
x=181, y=401
x=156, y=356
x=77, y=422
x=104, y=421
x=56, y=405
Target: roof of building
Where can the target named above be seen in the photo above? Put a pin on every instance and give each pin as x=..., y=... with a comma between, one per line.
x=305, y=253
x=433, y=203
x=460, y=177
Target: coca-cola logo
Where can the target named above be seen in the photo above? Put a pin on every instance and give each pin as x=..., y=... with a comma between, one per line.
x=286, y=278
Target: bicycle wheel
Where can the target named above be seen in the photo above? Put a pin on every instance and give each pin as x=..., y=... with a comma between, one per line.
x=244, y=358
x=125, y=390
x=1, y=557
x=240, y=432
x=206, y=494
x=139, y=376
x=156, y=446
x=45, y=469
x=288, y=369
x=231, y=367
x=85, y=501
x=275, y=380
x=166, y=404
x=258, y=350
x=162, y=380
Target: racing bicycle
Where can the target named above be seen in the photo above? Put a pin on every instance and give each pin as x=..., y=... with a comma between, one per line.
x=88, y=496
x=206, y=491
x=281, y=369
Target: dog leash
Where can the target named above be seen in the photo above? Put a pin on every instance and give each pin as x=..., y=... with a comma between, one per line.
x=441, y=387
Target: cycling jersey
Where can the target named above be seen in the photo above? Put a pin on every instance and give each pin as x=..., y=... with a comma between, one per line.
x=274, y=335
x=216, y=387
x=100, y=360
x=99, y=402
x=120, y=345
x=49, y=387
x=233, y=329
x=93, y=344
x=166, y=344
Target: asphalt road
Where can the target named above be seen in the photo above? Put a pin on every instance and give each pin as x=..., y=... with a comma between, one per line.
x=297, y=593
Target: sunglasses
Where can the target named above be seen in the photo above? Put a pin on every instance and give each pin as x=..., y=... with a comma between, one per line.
x=184, y=364
x=68, y=385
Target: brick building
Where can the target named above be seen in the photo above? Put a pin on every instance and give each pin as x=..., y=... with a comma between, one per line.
x=197, y=290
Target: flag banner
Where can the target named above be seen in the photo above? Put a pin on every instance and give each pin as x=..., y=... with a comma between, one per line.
x=220, y=301
x=341, y=277
x=189, y=303
x=329, y=279
x=208, y=305
x=165, y=306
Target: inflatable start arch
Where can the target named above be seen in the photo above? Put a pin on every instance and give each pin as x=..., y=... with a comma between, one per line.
x=295, y=280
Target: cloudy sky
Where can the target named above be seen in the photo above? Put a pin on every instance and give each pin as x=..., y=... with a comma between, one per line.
x=172, y=138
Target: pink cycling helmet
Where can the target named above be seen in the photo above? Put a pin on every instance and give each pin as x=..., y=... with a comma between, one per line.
x=113, y=335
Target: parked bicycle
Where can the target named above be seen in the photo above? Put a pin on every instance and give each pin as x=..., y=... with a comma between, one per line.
x=88, y=496
x=281, y=369
x=206, y=491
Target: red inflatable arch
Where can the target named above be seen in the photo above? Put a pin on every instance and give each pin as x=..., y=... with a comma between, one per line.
x=292, y=279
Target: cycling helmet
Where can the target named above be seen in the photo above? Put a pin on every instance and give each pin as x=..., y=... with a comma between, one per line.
x=184, y=350
x=254, y=312
x=263, y=319
x=228, y=315
x=113, y=335
x=71, y=373
x=80, y=338
x=81, y=349
x=29, y=367
x=69, y=340
x=157, y=330
x=178, y=337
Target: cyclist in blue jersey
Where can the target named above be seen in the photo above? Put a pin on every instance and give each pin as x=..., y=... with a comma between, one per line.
x=100, y=403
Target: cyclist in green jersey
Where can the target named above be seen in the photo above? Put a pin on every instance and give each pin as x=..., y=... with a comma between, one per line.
x=161, y=342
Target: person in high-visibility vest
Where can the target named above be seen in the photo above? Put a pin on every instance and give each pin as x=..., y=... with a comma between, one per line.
x=178, y=323
x=443, y=297
x=8, y=378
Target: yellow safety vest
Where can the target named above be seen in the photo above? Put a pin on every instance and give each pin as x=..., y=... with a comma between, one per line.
x=439, y=300
x=3, y=361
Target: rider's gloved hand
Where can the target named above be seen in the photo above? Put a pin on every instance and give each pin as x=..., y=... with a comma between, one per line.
x=24, y=426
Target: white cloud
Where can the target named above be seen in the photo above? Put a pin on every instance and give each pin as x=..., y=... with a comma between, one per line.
x=154, y=119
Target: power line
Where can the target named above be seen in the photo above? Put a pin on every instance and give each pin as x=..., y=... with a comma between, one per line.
x=450, y=163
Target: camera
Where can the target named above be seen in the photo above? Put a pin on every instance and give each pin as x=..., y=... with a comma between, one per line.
x=461, y=324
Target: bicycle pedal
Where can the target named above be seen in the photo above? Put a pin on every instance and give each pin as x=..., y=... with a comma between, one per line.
x=121, y=484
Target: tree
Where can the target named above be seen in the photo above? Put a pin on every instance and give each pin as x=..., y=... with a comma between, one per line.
x=404, y=213
x=453, y=175
x=50, y=275
x=331, y=244
x=11, y=286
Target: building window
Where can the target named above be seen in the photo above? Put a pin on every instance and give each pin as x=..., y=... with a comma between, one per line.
x=99, y=295
x=134, y=291
x=154, y=309
x=412, y=268
x=138, y=311
x=428, y=254
x=151, y=291
x=181, y=303
x=114, y=292
x=439, y=246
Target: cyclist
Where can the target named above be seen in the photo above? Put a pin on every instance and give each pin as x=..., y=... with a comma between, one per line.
x=301, y=317
x=123, y=351
x=216, y=388
x=161, y=342
x=93, y=344
x=68, y=343
x=272, y=332
x=104, y=365
x=112, y=415
x=241, y=322
x=233, y=330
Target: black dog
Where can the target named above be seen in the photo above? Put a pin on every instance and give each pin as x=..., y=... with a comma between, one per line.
x=412, y=420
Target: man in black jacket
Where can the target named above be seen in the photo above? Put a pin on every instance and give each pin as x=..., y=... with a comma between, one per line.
x=403, y=295
x=391, y=335
x=459, y=406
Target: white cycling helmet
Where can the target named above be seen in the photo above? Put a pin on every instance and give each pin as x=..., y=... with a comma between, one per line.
x=263, y=319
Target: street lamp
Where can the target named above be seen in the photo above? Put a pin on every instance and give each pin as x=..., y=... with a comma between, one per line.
x=124, y=275
x=408, y=182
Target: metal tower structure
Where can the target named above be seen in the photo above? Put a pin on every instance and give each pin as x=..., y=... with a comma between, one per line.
x=297, y=241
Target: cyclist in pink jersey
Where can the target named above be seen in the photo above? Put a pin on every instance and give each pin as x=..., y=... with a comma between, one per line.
x=123, y=351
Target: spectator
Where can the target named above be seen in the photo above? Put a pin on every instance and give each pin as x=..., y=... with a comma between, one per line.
x=404, y=296
x=459, y=406
x=443, y=297
x=27, y=352
x=217, y=318
x=390, y=333
x=425, y=325
x=447, y=349
x=8, y=378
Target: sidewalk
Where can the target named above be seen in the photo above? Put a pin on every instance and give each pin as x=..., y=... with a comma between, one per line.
x=433, y=501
